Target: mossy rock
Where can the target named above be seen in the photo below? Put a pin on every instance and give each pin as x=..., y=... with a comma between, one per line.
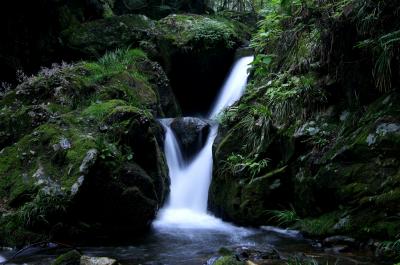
x=84, y=130
x=72, y=257
x=195, y=31
x=228, y=260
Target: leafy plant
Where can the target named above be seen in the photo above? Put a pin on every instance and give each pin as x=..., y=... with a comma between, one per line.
x=293, y=96
x=390, y=248
x=45, y=205
x=248, y=166
x=284, y=217
x=254, y=127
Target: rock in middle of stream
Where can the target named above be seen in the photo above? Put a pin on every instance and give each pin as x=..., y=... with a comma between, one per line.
x=191, y=134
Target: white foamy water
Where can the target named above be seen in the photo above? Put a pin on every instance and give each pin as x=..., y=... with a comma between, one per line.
x=234, y=86
x=187, y=204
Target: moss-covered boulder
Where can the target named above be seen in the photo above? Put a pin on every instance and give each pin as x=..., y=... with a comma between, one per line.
x=72, y=257
x=84, y=161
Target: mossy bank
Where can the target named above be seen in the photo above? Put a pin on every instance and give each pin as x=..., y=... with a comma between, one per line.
x=320, y=123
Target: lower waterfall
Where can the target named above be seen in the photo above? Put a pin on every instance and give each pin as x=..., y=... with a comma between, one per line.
x=190, y=180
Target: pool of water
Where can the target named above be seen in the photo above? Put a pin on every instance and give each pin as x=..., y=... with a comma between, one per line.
x=167, y=244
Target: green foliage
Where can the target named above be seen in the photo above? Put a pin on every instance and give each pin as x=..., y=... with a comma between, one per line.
x=45, y=206
x=390, y=248
x=262, y=64
x=255, y=127
x=120, y=59
x=269, y=28
x=284, y=217
x=321, y=226
x=293, y=97
x=247, y=166
x=191, y=31
x=211, y=32
x=99, y=110
x=384, y=48
x=107, y=150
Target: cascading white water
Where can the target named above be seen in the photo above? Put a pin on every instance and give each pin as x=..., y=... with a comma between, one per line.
x=233, y=87
x=187, y=204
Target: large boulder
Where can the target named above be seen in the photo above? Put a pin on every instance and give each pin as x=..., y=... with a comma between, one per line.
x=85, y=161
x=191, y=134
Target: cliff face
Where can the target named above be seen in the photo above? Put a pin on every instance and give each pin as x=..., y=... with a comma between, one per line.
x=314, y=142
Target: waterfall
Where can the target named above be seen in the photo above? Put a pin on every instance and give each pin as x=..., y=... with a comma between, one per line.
x=233, y=87
x=190, y=181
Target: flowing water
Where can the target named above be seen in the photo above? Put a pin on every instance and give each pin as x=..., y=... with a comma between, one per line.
x=184, y=232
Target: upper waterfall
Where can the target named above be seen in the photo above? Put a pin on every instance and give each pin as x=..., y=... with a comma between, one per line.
x=190, y=180
x=233, y=87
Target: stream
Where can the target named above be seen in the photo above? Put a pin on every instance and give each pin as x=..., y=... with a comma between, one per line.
x=184, y=232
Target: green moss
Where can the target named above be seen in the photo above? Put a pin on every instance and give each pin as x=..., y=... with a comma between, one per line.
x=228, y=260
x=193, y=30
x=101, y=109
x=321, y=226
x=72, y=257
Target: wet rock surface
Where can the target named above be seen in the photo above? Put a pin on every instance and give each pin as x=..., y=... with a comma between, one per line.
x=191, y=134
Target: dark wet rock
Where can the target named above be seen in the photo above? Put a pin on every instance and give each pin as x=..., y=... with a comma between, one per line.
x=191, y=134
x=339, y=249
x=94, y=38
x=247, y=255
x=254, y=254
x=160, y=81
x=339, y=240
